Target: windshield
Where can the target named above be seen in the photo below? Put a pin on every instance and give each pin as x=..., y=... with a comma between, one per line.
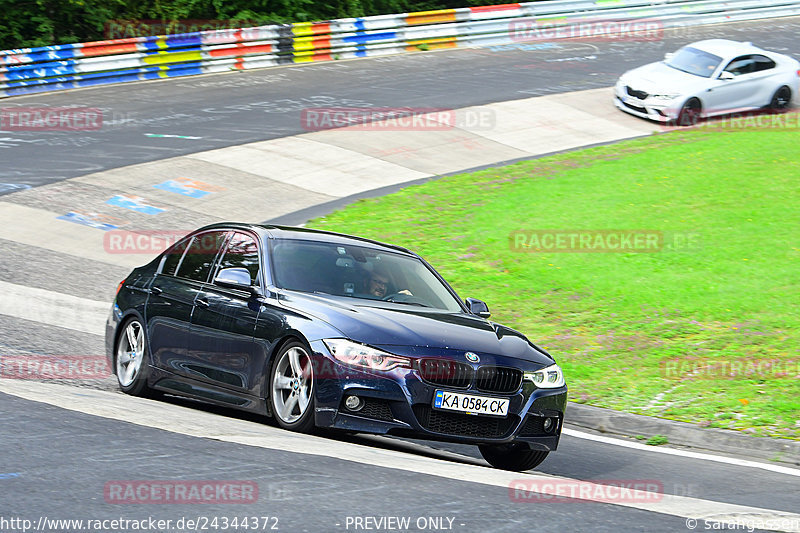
x=358, y=272
x=694, y=61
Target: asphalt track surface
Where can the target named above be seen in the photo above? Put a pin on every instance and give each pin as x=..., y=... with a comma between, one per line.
x=56, y=462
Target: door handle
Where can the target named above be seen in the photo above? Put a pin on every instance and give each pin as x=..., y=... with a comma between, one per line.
x=202, y=302
x=155, y=290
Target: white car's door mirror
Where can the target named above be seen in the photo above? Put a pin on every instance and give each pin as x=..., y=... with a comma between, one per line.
x=668, y=56
x=725, y=75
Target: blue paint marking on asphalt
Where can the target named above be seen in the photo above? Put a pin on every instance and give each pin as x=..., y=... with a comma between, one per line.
x=86, y=220
x=134, y=203
x=6, y=187
x=9, y=475
x=180, y=188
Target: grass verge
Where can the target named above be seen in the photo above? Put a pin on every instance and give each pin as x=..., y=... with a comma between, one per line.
x=702, y=330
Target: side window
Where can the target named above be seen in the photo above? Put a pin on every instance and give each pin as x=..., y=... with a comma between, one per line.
x=173, y=257
x=242, y=252
x=200, y=255
x=741, y=65
x=763, y=63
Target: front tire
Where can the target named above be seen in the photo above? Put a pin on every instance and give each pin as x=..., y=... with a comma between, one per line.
x=292, y=388
x=516, y=456
x=690, y=113
x=130, y=359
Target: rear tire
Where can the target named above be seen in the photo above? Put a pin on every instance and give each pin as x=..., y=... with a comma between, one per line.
x=516, y=456
x=131, y=359
x=781, y=100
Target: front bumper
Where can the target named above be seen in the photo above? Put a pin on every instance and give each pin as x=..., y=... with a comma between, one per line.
x=400, y=403
x=656, y=110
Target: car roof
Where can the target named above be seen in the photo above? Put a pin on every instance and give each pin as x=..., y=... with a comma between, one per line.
x=726, y=47
x=272, y=231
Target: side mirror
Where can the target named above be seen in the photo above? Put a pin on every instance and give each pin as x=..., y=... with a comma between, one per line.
x=668, y=56
x=236, y=278
x=478, y=307
x=726, y=76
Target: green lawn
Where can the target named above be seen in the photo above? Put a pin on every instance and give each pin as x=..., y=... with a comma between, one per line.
x=675, y=333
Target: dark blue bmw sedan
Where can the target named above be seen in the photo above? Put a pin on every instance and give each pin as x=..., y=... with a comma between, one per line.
x=323, y=330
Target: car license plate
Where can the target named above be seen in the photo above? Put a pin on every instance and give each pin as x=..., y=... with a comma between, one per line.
x=471, y=405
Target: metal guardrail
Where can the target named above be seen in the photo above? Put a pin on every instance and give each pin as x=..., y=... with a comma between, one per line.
x=58, y=67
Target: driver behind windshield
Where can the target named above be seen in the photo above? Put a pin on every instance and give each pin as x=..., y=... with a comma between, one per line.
x=378, y=284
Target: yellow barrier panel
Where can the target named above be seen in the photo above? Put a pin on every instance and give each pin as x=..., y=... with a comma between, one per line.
x=175, y=57
x=431, y=17
x=431, y=44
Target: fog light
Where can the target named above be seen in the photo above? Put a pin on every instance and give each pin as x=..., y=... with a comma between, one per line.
x=353, y=403
x=549, y=425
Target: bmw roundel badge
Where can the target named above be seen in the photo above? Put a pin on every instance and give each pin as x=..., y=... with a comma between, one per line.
x=472, y=357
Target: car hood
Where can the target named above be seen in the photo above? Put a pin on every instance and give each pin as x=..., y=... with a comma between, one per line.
x=658, y=78
x=383, y=324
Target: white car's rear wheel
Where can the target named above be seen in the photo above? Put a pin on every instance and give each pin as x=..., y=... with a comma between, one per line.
x=781, y=99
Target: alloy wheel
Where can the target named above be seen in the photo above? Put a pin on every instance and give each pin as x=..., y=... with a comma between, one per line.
x=292, y=384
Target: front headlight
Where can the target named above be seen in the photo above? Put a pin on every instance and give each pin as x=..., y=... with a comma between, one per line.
x=352, y=353
x=550, y=377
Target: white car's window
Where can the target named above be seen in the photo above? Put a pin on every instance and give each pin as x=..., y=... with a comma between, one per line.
x=694, y=61
x=763, y=63
x=741, y=65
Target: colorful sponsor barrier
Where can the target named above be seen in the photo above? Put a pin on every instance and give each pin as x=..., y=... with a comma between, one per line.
x=51, y=68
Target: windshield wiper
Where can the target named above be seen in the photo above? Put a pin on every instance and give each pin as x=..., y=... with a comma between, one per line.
x=407, y=303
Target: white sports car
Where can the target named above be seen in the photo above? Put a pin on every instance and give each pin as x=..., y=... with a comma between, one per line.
x=706, y=78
